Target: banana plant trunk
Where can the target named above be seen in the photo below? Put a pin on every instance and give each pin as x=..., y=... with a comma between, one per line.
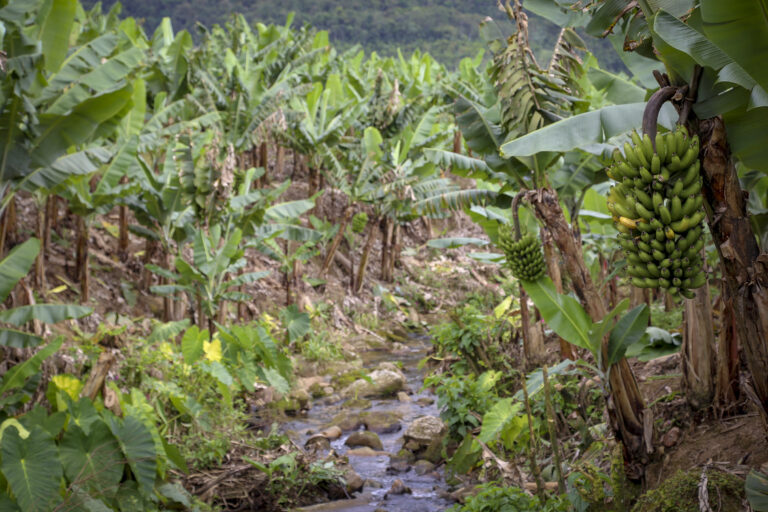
x=83, y=267
x=394, y=251
x=348, y=211
x=372, y=229
x=553, y=270
x=8, y=226
x=745, y=270
x=264, y=156
x=40, y=259
x=280, y=162
x=698, y=351
x=727, y=392
x=387, y=243
x=629, y=418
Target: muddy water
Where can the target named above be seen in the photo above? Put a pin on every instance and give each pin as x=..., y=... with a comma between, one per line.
x=426, y=489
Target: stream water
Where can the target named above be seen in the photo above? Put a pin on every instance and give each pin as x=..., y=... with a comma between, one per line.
x=427, y=489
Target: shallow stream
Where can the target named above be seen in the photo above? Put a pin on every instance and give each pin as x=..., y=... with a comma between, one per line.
x=427, y=489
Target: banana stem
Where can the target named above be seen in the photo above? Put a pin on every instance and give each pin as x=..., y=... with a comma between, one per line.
x=515, y=217
x=652, y=109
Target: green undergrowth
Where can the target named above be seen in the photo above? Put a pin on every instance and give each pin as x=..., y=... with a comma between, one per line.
x=680, y=493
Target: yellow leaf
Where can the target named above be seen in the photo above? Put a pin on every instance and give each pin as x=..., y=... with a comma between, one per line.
x=502, y=308
x=269, y=322
x=59, y=289
x=111, y=228
x=69, y=384
x=212, y=350
x=167, y=351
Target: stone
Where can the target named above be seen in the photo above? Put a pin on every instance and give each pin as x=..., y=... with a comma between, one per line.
x=398, y=487
x=671, y=438
x=354, y=481
x=365, y=451
x=357, y=403
x=403, y=397
x=425, y=401
x=364, y=438
x=425, y=430
x=318, y=443
x=422, y=467
x=381, y=422
x=347, y=421
x=373, y=484
x=331, y=432
x=380, y=383
x=401, y=462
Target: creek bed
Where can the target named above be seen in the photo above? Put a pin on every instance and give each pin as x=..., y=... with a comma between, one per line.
x=427, y=489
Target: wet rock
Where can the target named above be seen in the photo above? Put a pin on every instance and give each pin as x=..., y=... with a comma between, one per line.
x=671, y=438
x=403, y=397
x=318, y=443
x=462, y=493
x=381, y=422
x=327, y=390
x=424, y=430
x=365, y=451
x=347, y=421
x=373, y=484
x=359, y=403
x=401, y=462
x=422, y=467
x=331, y=432
x=365, y=438
x=380, y=383
x=317, y=390
x=354, y=481
x=301, y=396
x=411, y=446
x=425, y=401
x=398, y=487
x=433, y=452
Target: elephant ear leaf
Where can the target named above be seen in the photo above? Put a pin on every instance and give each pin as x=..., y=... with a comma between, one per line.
x=16, y=265
x=32, y=468
x=94, y=460
x=139, y=449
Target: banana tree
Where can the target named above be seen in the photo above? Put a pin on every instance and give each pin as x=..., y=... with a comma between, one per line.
x=704, y=49
x=13, y=268
x=205, y=278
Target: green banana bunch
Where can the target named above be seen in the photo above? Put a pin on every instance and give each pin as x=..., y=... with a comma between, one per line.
x=524, y=257
x=656, y=206
x=359, y=221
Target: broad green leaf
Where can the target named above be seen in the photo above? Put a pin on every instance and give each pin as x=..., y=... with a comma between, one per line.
x=54, y=32
x=174, y=455
x=18, y=339
x=16, y=376
x=16, y=265
x=454, y=242
x=93, y=460
x=503, y=307
x=590, y=131
x=138, y=448
x=599, y=329
x=629, y=329
x=563, y=313
x=192, y=344
x=168, y=330
x=289, y=210
x=295, y=322
x=497, y=418
x=467, y=455
x=46, y=313
x=690, y=41
x=32, y=468
x=740, y=29
x=757, y=491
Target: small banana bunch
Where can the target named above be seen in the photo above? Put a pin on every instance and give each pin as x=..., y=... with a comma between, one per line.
x=656, y=206
x=523, y=256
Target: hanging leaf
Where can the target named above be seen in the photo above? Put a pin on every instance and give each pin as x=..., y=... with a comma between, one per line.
x=629, y=330
x=295, y=322
x=192, y=344
x=563, y=313
x=46, y=313
x=16, y=265
x=454, y=242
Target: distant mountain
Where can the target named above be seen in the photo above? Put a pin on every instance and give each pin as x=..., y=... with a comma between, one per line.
x=447, y=29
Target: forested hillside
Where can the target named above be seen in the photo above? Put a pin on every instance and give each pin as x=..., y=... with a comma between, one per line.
x=446, y=29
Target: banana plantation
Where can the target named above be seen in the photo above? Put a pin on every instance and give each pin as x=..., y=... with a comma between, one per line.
x=243, y=270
